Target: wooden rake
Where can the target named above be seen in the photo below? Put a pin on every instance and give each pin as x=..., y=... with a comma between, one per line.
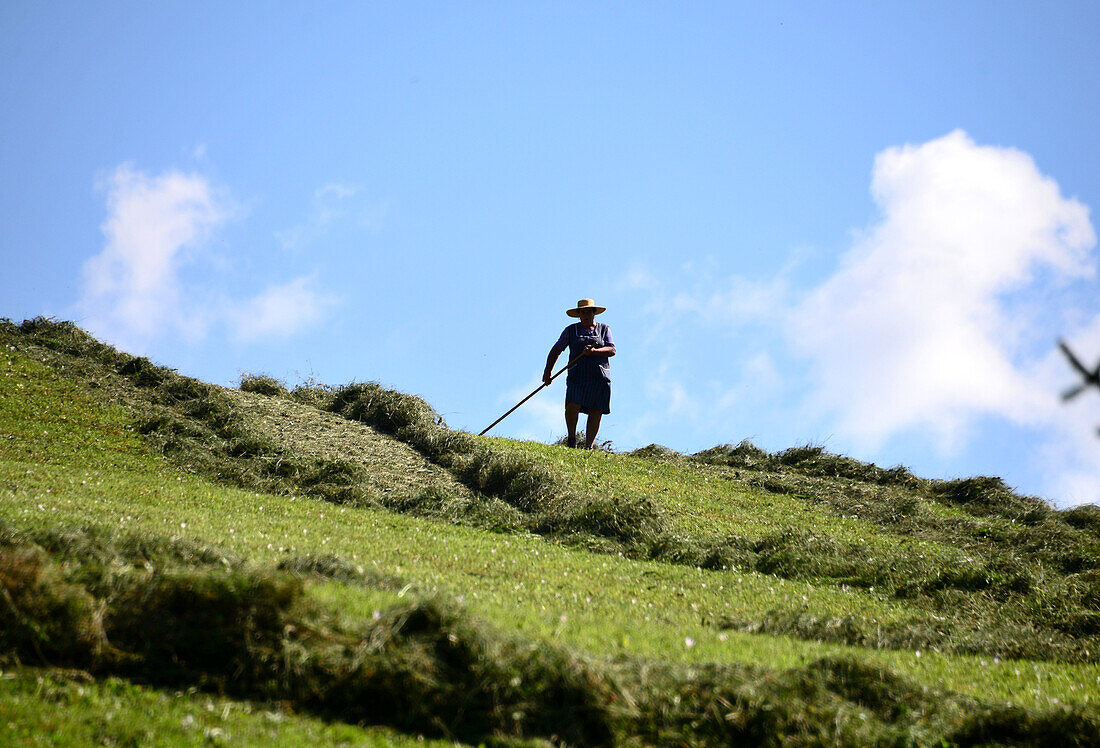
x=576, y=358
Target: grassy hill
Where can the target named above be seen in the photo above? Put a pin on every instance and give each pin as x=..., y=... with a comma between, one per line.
x=187, y=564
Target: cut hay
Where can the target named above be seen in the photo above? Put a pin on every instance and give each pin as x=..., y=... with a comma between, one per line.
x=263, y=384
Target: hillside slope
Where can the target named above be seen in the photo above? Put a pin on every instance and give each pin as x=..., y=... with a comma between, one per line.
x=390, y=469
x=469, y=588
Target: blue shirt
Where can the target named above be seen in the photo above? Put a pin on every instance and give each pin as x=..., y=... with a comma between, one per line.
x=563, y=341
x=576, y=337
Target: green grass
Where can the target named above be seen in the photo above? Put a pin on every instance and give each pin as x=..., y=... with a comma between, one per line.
x=70, y=462
x=701, y=501
x=54, y=707
x=933, y=561
x=612, y=605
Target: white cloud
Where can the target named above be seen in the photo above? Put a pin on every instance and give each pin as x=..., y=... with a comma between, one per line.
x=738, y=302
x=759, y=379
x=132, y=286
x=913, y=330
x=939, y=320
x=145, y=283
x=540, y=418
x=1071, y=452
x=332, y=203
x=668, y=393
x=280, y=310
x=1071, y=456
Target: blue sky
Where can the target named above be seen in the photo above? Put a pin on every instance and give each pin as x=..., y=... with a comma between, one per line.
x=860, y=225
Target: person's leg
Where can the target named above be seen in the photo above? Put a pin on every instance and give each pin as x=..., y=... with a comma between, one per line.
x=594, y=418
x=572, y=412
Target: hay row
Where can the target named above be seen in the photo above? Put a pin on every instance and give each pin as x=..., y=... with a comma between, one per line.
x=426, y=667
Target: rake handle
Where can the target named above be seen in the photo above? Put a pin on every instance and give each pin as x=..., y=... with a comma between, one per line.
x=576, y=358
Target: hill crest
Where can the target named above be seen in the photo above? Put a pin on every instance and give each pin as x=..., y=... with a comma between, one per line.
x=882, y=561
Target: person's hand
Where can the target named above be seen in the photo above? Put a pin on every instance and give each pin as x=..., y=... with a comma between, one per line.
x=588, y=349
x=546, y=377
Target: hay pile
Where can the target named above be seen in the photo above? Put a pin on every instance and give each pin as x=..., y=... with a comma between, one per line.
x=427, y=667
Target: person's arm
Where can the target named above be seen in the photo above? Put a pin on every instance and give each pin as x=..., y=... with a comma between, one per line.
x=606, y=351
x=547, y=373
x=561, y=345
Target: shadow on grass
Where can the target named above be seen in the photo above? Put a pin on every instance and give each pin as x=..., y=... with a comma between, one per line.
x=426, y=667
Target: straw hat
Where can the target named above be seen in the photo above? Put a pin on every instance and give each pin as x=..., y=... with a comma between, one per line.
x=585, y=304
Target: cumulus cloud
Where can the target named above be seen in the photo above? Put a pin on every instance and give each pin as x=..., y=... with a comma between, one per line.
x=157, y=275
x=914, y=330
x=280, y=310
x=132, y=285
x=938, y=322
